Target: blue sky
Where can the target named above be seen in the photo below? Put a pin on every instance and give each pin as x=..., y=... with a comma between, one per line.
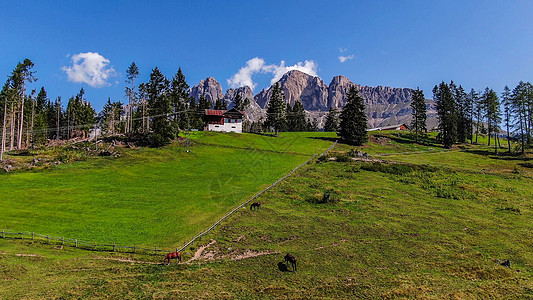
x=395, y=43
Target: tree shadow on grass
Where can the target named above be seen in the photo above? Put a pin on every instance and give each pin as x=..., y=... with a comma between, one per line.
x=500, y=156
x=328, y=139
x=405, y=138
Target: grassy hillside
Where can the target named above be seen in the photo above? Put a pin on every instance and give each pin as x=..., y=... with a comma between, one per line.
x=390, y=231
x=151, y=197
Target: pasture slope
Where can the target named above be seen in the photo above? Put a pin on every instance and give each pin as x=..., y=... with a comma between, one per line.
x=430, y=224
x=150, y=197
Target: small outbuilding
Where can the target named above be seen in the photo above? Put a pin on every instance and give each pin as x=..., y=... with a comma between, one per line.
x=223, y=120
x=391, y=127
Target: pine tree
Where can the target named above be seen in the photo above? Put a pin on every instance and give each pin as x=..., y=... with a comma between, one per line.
x=179, y=94
x=493, y=115
x=204, y=103
x=418, y=106
x=220, y=105
x=447, y=114
x=239, y=103
x=477, y=110
x=132, y=72
x=332, y=120
x=20, y=75
x=111, y=117
x=507, y=106
x=160, y=109
x=353, y=118
x=276, y=113
x=520, y=97
x=461, y=101
x=296, y=120
x=81, y=116
x=41, y=117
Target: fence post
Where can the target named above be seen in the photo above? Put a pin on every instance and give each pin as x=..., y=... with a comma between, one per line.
x=32, y=234
x=114, y=247
x=63, y=241
x=22, y=235
x=134, y=248
x=76, y=241
x=155, y=250
x=3, y=234
x=48, y=239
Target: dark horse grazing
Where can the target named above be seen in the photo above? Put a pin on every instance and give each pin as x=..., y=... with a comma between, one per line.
x=255, y=205
x=172, y=255
x=291, y=259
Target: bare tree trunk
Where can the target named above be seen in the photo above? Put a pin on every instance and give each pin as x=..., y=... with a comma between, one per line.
x=58, y=107
x=12, y=130
x=19, y=141
x=68, y=125
x=3, y=147
x=489, y=129
x=143, y=131
x=521, y=132
x=28, y=130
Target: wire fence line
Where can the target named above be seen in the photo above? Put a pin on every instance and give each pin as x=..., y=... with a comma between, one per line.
x=113, y=247
x=253, y=198
x=69, y=242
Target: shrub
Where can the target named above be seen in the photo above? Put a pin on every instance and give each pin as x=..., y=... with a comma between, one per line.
x=330, y=196
x=343, y=158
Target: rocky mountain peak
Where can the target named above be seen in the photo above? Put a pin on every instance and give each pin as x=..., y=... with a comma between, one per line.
x=299, y=86
x=209, y=88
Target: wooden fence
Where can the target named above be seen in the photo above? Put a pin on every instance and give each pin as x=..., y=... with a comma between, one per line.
x=67, y=242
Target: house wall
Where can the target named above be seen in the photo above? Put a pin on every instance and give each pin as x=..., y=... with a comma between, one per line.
x=227, y=127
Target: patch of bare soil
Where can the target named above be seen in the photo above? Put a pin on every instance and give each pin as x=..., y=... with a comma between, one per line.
x=250, y=253
x=199, y=252
x=28, y=255
x=203, y=255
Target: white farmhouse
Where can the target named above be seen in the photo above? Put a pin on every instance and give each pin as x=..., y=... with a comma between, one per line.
x=222, y=120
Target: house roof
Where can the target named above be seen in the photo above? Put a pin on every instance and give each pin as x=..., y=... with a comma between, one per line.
x=234, y=113
x=214, y=112
x=392, y=127
x=230, y=113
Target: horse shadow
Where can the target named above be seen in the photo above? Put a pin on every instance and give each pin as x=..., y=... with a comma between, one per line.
x=283, y=267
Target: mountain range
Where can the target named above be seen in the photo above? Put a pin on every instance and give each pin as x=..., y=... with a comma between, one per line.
x=384, y=105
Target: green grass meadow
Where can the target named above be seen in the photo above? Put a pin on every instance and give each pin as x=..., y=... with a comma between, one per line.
x=148, y=197
x=429, y=224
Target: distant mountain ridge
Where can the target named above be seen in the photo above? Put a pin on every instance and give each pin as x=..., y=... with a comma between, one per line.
x=384, y=105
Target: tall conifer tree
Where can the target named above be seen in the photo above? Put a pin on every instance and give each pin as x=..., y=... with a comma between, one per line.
x=418, y=122
x=353, y=118
x=332, y=120
x=160, y=109
x=276, y=114
x=447, y=114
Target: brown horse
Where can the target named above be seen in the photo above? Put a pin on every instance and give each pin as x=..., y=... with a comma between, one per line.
x=292, y=260
x=171, y=255
x=255, y=206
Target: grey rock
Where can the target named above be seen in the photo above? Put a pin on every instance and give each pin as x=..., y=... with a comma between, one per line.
x=210, y=88
x=299, y=86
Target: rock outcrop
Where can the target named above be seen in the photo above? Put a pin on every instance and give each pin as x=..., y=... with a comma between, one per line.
x=210, y=88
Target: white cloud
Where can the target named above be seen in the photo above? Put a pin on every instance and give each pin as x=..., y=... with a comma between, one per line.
x=257, y=65
x=91, y=68
x=343, y=50
x=345, y=58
